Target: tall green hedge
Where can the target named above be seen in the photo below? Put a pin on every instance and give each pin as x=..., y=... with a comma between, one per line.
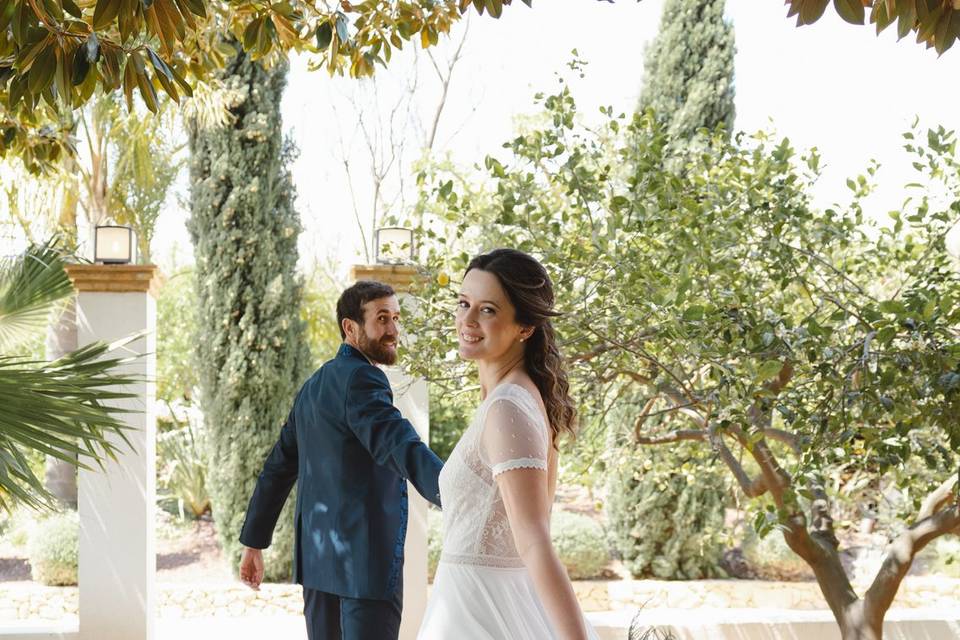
x=665, y=519
x=688, y=70
x=666, y=512
x=251, y=352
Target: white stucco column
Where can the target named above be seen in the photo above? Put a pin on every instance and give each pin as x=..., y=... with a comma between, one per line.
x=117, y=564
x=410, y=396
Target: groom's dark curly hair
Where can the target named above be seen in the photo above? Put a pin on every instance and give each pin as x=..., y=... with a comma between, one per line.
x=350, y=304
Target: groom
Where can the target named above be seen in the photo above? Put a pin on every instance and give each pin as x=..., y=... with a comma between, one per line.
x=351, y=454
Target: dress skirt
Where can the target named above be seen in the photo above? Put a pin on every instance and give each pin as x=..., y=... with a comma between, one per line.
x=470, y=602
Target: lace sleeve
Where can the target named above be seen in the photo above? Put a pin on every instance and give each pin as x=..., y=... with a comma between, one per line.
x=512, y=439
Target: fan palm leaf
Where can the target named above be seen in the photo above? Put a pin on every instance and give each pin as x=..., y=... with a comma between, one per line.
x=31, y=288
x=66, y=408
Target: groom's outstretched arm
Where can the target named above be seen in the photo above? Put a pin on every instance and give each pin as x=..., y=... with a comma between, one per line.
x=387, y=435
x=273, y=486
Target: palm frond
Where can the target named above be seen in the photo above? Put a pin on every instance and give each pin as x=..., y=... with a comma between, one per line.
x=62, y=408
x=31, y=286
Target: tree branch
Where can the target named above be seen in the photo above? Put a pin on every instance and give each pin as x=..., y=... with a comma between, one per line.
x=445, y=84
x=938, y=498
x=901, y=552
x=752, y=488
x=674, y=436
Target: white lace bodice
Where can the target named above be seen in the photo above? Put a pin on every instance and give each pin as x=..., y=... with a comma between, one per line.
x=508, y=432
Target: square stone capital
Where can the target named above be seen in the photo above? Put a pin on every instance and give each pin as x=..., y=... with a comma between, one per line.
x=400, y=277
x=117, y=278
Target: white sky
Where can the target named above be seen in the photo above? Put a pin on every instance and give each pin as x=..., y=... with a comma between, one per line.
x=834, y=86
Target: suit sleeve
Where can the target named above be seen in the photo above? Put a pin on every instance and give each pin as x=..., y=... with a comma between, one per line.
x=389, y=437
x=273, y=486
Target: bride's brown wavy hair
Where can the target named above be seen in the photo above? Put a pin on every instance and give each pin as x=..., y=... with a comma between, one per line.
x=531, y=292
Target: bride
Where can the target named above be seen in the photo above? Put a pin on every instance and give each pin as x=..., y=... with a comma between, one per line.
x=499, y=577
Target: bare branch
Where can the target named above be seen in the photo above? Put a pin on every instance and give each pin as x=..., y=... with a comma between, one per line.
x=445, y=85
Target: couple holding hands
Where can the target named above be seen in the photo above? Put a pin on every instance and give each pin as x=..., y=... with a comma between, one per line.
x=351, y=453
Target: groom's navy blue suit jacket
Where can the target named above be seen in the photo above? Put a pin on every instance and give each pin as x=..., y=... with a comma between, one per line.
x=351, y=453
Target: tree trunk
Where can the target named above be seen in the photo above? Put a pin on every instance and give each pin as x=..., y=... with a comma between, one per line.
x=60, y=477
x=857, y=623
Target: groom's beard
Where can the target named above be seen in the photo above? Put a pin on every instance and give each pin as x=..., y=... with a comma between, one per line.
x=378, y=350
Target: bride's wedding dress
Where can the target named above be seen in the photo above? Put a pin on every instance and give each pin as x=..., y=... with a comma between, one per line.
x=482, y=591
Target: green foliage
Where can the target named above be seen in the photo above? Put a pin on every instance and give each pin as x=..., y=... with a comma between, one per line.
x=449, y=418
x=181, y=467
x=251, y=352
x=147, y=161
x=176, y=337
x=943, y=555
x=688, y=85
x=666, y=512
x=699, y=290
x=58, y=408
x=319, y=312
x=434, y=541
x=770, y=558
x=581, y=544
x=15, y=527
x=688, y=73
x=55, y=56
x=32, y=288
x=53, y=549
x=785, y=339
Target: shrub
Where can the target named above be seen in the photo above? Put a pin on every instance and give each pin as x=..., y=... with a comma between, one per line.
x=53, y=549
x=449, y=418
x=18, y=527
x=771, y=558
x=181, y=467
x=581, y=544
x=666, y=514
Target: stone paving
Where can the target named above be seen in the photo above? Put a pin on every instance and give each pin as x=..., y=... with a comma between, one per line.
x=27, y=601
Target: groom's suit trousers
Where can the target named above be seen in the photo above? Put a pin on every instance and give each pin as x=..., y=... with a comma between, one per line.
x=333, y=617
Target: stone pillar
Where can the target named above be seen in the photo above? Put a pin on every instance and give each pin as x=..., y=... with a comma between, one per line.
x=410, y=396
x=117, y=564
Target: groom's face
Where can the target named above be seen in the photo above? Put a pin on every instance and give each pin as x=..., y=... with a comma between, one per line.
x=380, y=332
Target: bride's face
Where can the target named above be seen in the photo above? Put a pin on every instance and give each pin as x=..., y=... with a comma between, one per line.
x=486, y=324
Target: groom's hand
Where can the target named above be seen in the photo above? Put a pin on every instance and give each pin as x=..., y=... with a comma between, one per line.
x=251, y=568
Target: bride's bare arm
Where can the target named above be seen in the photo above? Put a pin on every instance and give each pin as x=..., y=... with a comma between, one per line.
x=525, y=496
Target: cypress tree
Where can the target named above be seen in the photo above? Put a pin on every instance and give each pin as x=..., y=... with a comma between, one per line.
x=664, y=523
x=688, y=71
x=665, y=503
x=667, y=515
x=251, y=349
